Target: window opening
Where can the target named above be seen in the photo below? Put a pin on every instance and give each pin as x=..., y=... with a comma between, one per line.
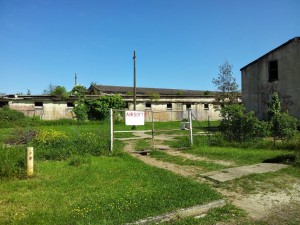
x=206, y=106
x=273, y=70
x=70, y=104
x=169, y=106
x=38, y=104
x=148, y=106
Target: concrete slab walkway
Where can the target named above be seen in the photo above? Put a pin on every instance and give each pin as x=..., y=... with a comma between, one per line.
x=237, y=172
x=196, y=210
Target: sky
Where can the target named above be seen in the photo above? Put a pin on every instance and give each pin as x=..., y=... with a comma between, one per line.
x=179, y=43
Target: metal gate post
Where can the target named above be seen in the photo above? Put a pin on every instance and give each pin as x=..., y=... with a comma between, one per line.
x=111, y=129
x=191, y=127
x=152, y=130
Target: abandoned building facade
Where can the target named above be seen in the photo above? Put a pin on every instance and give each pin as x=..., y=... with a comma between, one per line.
x=168, y=104
x=276, y=71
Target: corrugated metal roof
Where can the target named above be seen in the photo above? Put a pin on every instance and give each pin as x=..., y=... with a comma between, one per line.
x=141, y=90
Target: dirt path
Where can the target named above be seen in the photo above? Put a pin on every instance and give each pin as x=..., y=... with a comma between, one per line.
x=259, y=206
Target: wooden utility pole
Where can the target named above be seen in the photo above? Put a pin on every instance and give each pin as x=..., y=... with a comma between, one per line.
x=134, y=82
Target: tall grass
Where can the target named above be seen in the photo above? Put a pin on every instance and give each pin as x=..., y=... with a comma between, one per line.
x=108, y=190
x=12, y=162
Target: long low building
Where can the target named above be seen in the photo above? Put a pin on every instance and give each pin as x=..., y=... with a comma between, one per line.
x=166, y=104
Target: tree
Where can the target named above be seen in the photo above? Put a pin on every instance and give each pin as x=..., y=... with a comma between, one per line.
x=282, y=125
x=81, y=111
x=99, y=108
x=226, y=84
x=49, y=89
x=60, y=92
x=79, y=90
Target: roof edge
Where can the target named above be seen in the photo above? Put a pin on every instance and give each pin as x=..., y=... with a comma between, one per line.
x=297, y=38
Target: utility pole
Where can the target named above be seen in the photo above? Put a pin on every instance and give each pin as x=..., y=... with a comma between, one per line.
x=134, y=82
x=75, y=79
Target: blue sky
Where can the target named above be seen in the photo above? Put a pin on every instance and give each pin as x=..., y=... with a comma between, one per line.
x=179, y=43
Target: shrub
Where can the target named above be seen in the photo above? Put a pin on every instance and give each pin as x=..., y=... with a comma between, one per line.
x=60, y=92
x=10, y=117
x=237, y=125
x=282, y=125
x=99, y=109
x=81, y=112
x=51, y=144
x=12, y=163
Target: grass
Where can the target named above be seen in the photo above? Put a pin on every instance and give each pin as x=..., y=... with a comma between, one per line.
x=239, y=156
x=243, y=155
x=108, y=190
x=205, y=166
x=214, y=216
x=84, y=189
x=143, y=145
x=266, y=182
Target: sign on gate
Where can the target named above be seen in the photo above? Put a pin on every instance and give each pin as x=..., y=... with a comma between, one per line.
x=134, y=118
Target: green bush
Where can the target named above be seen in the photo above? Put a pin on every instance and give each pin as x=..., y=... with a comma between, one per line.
x=51, y=144
x=60, y=92
x=237, y=125
x=81, y=112
x=282, y=125
x=12, y=162
x=98, y=109
x=10, y=117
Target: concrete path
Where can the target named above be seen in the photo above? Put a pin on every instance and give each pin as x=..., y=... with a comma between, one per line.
x=197, y=210
x=233, y=173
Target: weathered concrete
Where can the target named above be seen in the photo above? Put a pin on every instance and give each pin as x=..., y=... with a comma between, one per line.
x=257, y=88
x=237, y=172
x=181, y=213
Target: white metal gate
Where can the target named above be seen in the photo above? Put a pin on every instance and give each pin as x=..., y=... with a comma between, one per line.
x=154, y=116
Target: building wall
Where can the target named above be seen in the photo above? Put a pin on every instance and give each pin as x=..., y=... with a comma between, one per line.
x=48, y=111
x=257, y=90
x=167, y=108
x=176, y=108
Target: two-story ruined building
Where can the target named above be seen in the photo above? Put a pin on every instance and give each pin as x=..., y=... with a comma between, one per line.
x=276, y=71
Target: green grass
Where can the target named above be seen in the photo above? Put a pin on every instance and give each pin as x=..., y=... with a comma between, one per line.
x=143, y=145
x=224, y=214
x=108, y=190
x=243, y=155
x=203, y=165
x=266, y=182
x=238, y=155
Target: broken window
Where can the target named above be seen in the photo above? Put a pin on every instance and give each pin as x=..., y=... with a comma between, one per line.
x=273, y=70
x=38, y=104
x=70, y=104
x=148, y=106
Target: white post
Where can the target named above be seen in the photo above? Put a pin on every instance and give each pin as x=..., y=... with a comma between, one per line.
x=111, y=130
x=29, y=161
x=191, y=127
